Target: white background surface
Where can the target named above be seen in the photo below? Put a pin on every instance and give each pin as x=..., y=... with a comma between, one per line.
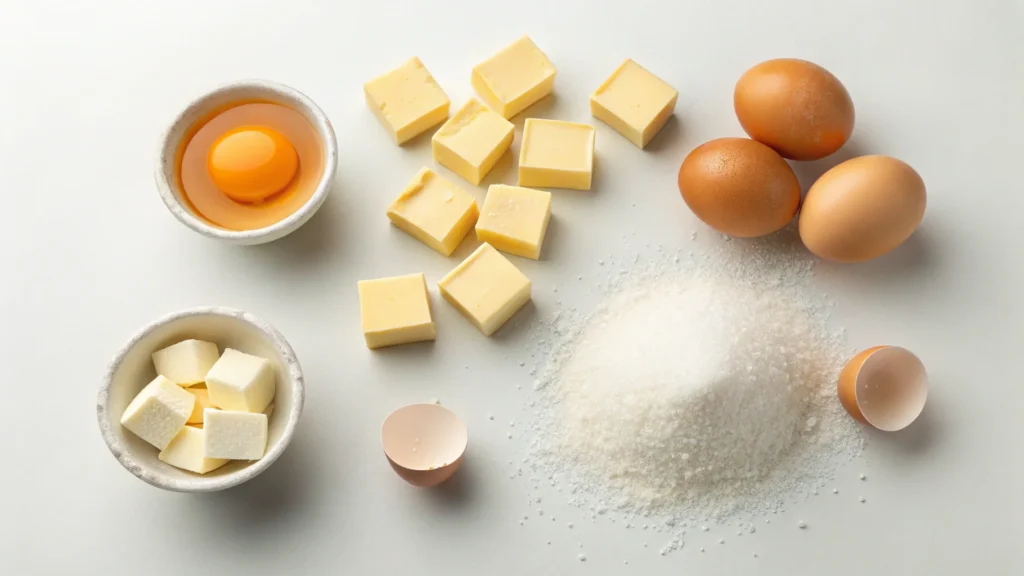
x=92, y=254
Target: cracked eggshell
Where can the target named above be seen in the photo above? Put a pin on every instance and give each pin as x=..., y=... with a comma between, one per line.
x=885, y=387
x=424, y=443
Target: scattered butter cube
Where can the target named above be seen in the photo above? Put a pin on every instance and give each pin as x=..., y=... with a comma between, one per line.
x=269, y=411
x=434, y=211
x=188, y=452
x=515, y=219
x=395, y=311
x=158, y=412
x=234, y=435
x=472, y=141
x=486, y=288
x=202, y=403
x=634, y=102
x=514, y=78
x=240, y=381
x=556, y=154
x=187, y=362
x=407, y=100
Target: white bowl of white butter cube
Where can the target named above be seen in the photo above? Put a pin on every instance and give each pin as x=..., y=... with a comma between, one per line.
x=201, y=400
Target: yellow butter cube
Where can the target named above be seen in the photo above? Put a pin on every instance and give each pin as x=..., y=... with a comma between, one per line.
x=434, y=211
x=471, y=142
x=486, y=288
x=202, y=403
x=634, y=102
x=407, y=100
x=513, y=79
x=515, y=219
x=395, y=311
x=188, y=452
x=556, y=154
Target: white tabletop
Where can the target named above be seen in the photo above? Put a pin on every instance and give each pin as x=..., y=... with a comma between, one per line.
x=92, y=255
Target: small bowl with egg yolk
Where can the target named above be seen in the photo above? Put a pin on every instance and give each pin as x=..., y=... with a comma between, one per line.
x=247, y=163
x=133, y=368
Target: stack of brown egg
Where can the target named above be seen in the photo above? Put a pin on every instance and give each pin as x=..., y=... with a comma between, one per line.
x=794, y=109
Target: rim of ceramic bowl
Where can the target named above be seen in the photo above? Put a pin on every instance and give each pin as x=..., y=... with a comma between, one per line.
x=203, y=483
x=170, y=142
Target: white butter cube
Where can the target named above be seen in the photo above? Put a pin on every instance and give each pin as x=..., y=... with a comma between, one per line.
x=240, y=381
x=159, y=412
x=188, y=452
x=234, y=435
x=186, y=363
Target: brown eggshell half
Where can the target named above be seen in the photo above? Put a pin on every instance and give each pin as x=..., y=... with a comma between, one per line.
x=862, y=209
x=739, y=187
x=885, y=387
x=848, y=383
x=424, y=443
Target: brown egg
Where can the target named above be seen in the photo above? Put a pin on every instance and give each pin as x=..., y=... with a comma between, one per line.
x=862, y=208
x=797, y=107
x=739, y=187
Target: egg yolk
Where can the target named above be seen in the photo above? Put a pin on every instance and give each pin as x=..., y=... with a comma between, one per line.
x=251, y=163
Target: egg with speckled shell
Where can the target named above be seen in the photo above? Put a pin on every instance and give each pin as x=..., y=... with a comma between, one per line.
x=796, y=107
x=739, y=187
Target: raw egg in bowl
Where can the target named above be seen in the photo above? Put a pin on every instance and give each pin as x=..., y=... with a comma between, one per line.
x=247, y=163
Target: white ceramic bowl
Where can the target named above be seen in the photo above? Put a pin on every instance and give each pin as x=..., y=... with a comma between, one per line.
x=168, y=183
x=132, y=368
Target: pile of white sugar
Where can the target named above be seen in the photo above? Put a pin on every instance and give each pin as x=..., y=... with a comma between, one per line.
x=701, y=389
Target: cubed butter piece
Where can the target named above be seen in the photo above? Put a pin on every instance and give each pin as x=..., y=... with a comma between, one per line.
x=515, y=219
x=472, y=141
x=407, y=100
x=513, y=79
x=434, y=211
x=634, y=102
x=395, y=311
x=188, y=451
x=240, y=381
x=202, y=403
x=158, y=412
x=486, y=288
x=234, y=435
x=556, y=154
x=187, y=362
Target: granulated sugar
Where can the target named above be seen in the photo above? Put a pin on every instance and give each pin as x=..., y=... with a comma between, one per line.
x=682, y=384
x=699, y=390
